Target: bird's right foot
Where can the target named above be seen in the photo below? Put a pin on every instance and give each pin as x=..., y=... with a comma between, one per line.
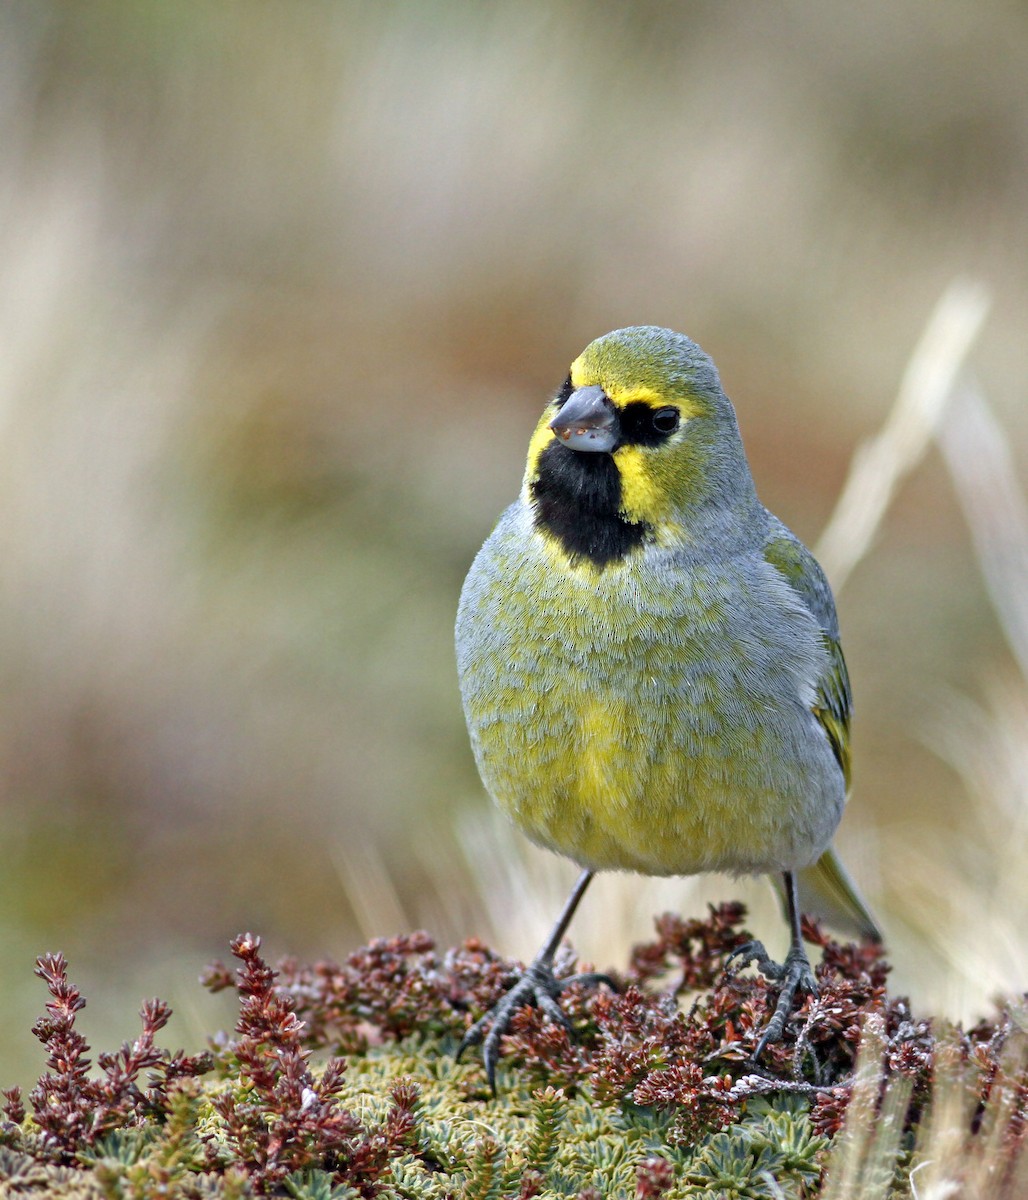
x=537, y=986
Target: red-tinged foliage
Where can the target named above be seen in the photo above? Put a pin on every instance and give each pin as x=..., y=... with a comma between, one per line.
x=283, y=1118
x=73, y=1109
x=387, y=990
x=675, y=1037
x=638, y=1046
x=695, y=948
x=654, y=1177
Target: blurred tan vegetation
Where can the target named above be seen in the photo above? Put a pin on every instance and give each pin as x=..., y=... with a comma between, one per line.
x=283, y=287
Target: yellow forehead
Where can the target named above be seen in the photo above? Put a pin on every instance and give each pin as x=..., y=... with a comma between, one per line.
x=582, y=375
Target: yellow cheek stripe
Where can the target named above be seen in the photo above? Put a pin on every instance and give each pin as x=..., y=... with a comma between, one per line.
x=641, y=499
x=540, y=440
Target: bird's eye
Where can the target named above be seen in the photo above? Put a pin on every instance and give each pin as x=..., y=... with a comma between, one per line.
x=665, y=420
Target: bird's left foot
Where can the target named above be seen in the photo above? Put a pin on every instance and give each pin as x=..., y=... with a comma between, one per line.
x=537, y=986
x=795, y=976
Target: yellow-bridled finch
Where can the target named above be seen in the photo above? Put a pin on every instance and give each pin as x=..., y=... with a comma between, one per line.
x=649, y=660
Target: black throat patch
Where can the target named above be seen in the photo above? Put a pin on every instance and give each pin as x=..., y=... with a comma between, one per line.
x=577, y=498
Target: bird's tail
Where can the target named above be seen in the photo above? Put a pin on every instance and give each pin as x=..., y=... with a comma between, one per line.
x=826, y=890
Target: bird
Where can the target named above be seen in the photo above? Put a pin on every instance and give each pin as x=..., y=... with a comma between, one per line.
x=650, y=662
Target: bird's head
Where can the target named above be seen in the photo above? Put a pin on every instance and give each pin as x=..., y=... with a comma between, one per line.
x=635, y=447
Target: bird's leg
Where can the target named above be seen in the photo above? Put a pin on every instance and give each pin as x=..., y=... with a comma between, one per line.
x=536, y=985
x=794, y=975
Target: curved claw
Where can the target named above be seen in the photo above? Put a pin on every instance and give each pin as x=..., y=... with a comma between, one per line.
x=536, y=986
x=588, y=979
x=754, y=952
x=795, y=975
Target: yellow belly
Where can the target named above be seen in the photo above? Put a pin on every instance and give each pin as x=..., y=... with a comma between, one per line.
x=610, y=785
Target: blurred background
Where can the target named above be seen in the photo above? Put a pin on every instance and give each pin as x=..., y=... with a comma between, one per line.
x=283, y=288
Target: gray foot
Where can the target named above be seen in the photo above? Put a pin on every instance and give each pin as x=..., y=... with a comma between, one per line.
x=795, y=976
x=537, y=986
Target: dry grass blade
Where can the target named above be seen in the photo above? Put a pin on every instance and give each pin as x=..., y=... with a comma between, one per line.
x=864, y=1158
x=979, y=459
x=961, y=1152
x=370, y=889
x=963, y=1148
x=982, y=937
x=880, y=464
